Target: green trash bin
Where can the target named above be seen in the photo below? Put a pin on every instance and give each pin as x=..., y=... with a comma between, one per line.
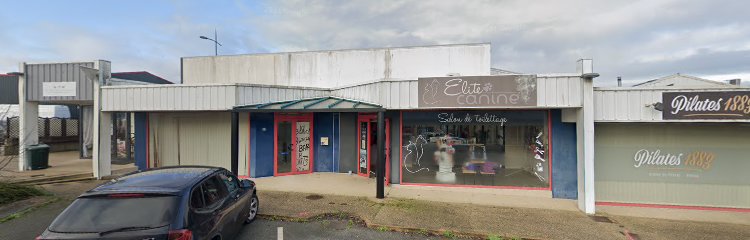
x=38, y=156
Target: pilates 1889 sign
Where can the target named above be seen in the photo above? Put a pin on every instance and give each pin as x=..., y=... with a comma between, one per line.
x=706, y=105
x=477, y=91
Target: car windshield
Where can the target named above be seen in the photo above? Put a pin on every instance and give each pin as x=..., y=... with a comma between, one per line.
x=93, y=215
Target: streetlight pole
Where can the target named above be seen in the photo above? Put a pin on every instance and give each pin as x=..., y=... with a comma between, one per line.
x=216, y=42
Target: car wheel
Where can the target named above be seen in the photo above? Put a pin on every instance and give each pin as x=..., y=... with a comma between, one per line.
x=252, y=212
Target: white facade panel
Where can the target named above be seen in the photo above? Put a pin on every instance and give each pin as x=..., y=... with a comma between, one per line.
x=631, y=104
x=559, y=91
x=169, y=98
x=330, y=69
x=552, y=92
x=563, y=91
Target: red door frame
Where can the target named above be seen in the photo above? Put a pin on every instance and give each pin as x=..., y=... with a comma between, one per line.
x=278, y=117
x=370, y=118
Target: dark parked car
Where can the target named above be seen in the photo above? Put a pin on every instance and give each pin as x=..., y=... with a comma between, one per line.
x=185, y=203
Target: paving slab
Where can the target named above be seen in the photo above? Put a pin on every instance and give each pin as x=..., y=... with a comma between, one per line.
x=62, y=166
x=651, y=228
x=461, y=219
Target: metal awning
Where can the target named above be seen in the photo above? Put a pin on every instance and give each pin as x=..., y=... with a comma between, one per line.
x=318, y=104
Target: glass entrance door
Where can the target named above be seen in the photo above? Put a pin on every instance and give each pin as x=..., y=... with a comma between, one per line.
x=293, y=144
x=367, y=146
x=284, y=147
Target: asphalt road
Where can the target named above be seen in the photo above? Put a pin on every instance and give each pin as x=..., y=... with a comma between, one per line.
x=30, y=225
x=320, y=229
x=33, y=223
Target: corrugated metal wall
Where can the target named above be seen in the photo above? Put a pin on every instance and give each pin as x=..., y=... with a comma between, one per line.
x=552, y=92
x=195, y=139
x=631, y=104
x=169, y=98
x=264, y=94
x=8, y=89
x=36, y=74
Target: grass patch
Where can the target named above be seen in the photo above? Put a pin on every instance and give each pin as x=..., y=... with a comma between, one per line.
x=383, y=229
x=349, y=224
x=407, y=204
x=449, y=234
x=10, y=192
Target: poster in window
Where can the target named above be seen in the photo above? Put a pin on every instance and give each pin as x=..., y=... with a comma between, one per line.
x=303, y=146
x=363, y=148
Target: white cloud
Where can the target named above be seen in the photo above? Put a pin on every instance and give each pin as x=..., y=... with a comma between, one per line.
x=527, y=36
x=638, y=40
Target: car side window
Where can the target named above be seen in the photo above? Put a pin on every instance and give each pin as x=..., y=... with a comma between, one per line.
x=213, y=191
x=196, y=198
x=230, y=181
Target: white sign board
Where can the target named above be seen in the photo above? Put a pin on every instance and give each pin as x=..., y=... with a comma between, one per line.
x=59, y=89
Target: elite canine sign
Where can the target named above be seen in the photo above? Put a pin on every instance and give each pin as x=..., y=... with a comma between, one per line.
x=477, y=91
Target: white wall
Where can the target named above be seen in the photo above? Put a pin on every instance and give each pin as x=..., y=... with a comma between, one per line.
x=339, y=68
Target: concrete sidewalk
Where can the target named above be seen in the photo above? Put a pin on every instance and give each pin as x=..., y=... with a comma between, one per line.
x=357, y=186
x=482, y=221
x=467, y=220
x=62, y=165
x=483, y=212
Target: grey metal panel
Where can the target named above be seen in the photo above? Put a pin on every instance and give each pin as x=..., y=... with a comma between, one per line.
x=348, y=142
x=8, y=89
x=36, y=74
x=395, y=117
x=635, y=104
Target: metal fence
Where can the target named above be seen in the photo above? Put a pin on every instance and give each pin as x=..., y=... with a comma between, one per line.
x=48, y=127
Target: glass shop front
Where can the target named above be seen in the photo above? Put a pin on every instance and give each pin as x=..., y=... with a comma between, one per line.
x=476, y=148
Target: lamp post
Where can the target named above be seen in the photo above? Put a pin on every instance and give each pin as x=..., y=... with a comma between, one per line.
x=216, y=42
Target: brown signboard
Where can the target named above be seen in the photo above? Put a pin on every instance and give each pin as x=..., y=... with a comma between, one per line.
x=478, y=91
x=706, y=105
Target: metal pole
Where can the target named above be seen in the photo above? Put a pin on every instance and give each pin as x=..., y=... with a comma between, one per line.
x=216, y=43
x=235, y=142
x=380, y=172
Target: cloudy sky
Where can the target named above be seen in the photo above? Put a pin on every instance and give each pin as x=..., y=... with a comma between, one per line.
x=638, y=40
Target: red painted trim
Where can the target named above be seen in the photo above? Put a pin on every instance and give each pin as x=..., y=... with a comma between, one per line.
x=549, y=143
x=401, y=150
x=472, y=186
x=359, y=146
x=370, y=118
x=401, y=154
x=387, y=152
x=249, y=145
x=645, y=205
x=307, y=117
x=275, y=144
x=148, y=141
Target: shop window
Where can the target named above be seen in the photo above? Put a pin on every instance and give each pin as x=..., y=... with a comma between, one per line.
x=482, y=148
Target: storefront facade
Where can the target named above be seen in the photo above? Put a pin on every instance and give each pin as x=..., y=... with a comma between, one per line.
x=673, y=147
x=463, y=128
x=500, y=148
